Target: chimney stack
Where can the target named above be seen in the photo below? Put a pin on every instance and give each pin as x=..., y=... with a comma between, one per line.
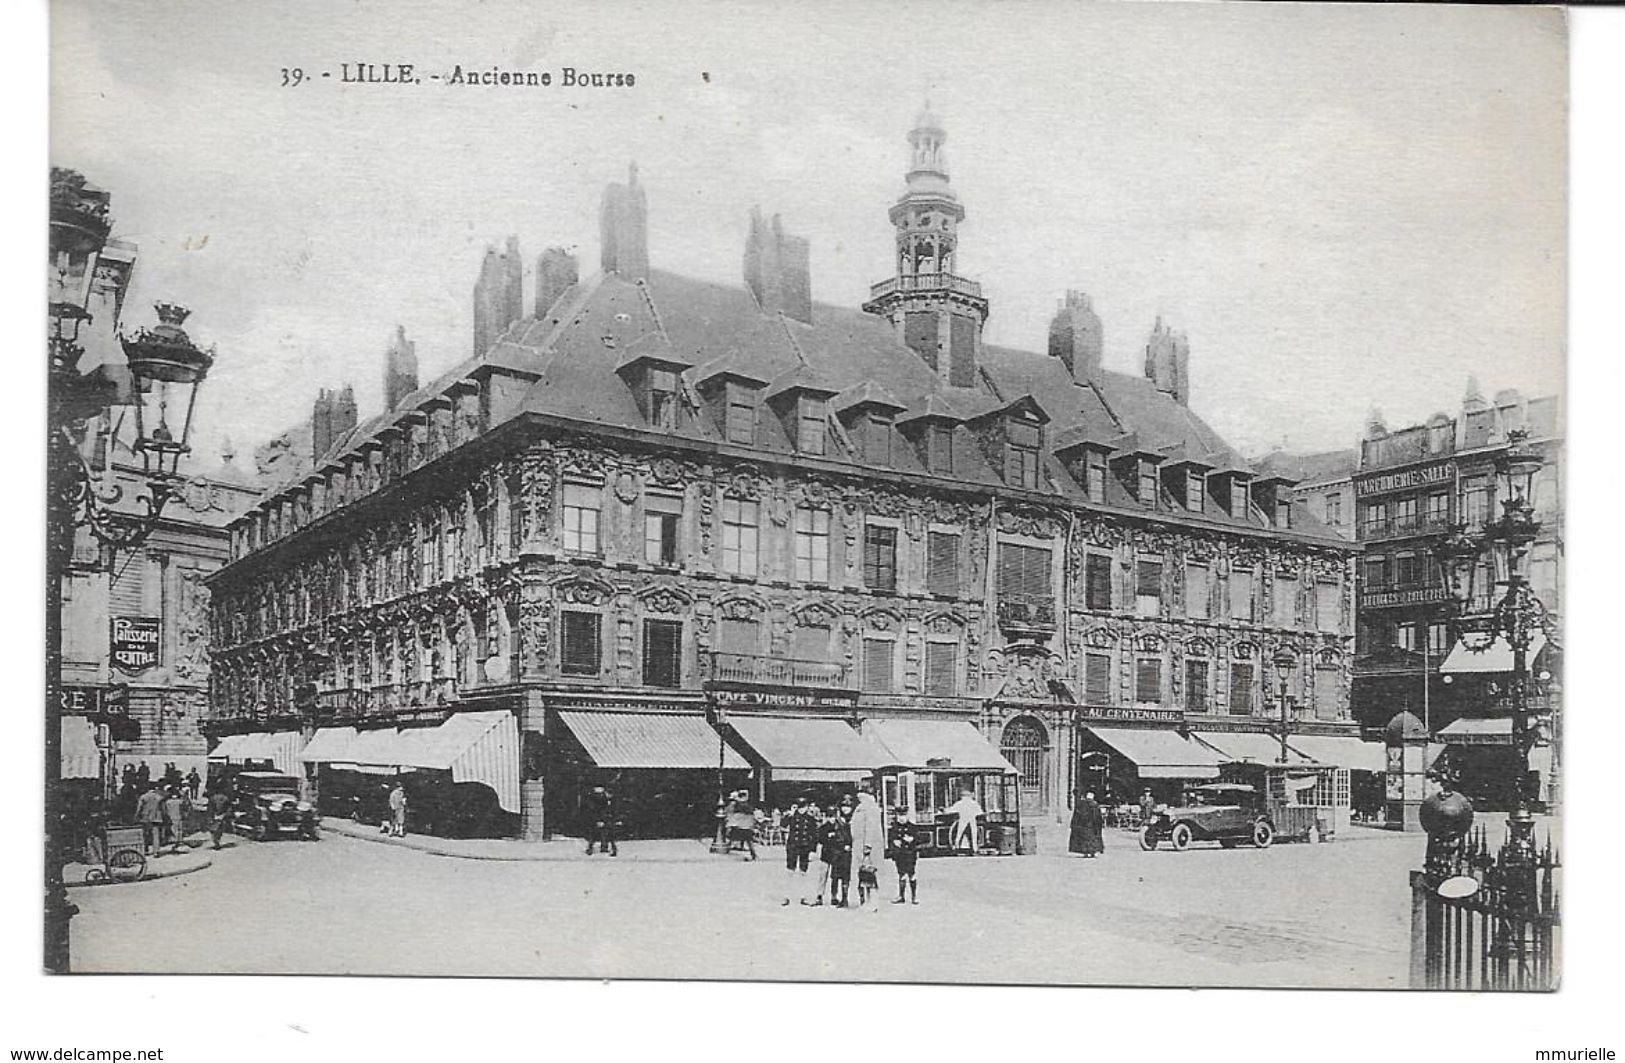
x=1075, y=336
x=778, y=268
x=344, y=419
x=623, y=225
x=321, y=426
x=400, y=369
x=556, y=273
x=1167, y=362
x=498, y=295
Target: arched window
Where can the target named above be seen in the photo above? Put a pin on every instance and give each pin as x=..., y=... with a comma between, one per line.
x=1023, y=744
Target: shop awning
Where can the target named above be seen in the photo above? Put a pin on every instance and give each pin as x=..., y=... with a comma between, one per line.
x=1161, y=754
x=328, y=744
x=372, y=752
x=1254, y=747
x=650, y=740
x=1484, y=732
x=228, y=745
x=811, y=749
x=1341, y=751
x=81, y=759
x=1495, y=656
x=481, y=747
x=948, y=744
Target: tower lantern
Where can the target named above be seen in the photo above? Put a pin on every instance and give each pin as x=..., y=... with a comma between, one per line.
x=937, y=313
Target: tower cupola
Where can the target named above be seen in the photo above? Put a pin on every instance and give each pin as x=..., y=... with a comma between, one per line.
x=936, y=312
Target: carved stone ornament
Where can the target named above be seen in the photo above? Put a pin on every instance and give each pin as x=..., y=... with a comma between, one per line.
x=1244, y=650
x=944, y=624
x=881, y=620
x=814, y=614
x=741, y=607
x=1099, y=532
x=1028, y=521
x=1197, y=646
x=742, y=485
x=584, y=462
x=664, y=599
x=626, y=486
x=1150, y=642
x=1100, y=637
x=580, y=591
x=668, y=473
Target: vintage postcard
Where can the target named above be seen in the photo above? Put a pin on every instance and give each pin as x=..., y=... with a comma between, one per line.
x=1033, y=494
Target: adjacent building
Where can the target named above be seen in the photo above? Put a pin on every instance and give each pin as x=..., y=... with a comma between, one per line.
x=1411, y=485
x=677, y=534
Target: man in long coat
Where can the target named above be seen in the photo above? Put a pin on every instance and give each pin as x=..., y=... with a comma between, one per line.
x=149, y=812
x=1087, y=825
x=868, y=832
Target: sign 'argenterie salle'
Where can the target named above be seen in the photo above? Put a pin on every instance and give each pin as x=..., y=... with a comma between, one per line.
x=1405, y=478
x=135, y=642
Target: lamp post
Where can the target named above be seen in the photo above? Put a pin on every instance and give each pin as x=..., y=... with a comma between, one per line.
x=1474, y=566
x=162, y=371
x=1283, y=661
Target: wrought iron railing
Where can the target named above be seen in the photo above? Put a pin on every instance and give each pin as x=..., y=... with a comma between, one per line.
x=1026, y=613
x=774, y=671
x=1501, y=934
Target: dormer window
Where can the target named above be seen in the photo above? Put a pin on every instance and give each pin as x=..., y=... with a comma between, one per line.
x=939, y=448
x=811, y=425
x=1146, y=489
x=1021, y=454
x=877, y=438
x=662, y=400
x=1094, y=475
x=1195, y=491
x=739, y=418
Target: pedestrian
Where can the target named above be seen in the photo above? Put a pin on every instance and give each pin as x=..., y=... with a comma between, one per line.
x=800, y=839
x=193, y=782
x=868, y=844
x=175, y=816
x=1086, y=836
x=903, y=843
x=143, y=777
x=742, y=823
x=219, y=813
x=397, y=811
x=601, y=817
x=149, y=812
x=1148, y=806
x=835, y=852
x=968, y=812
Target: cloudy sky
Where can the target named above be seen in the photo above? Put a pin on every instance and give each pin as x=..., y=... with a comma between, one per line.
x=1343, y=207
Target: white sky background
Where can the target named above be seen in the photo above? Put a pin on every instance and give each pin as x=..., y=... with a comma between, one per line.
x=1341, y=206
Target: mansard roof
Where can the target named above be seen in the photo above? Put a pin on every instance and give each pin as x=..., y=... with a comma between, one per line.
x=606, y=322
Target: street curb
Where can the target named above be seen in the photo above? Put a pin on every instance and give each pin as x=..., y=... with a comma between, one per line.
x=701, y=855
x=150, y=876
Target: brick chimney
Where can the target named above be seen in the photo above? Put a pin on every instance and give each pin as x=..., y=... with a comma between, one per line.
x=623, y=224
x=1075, y=336
x=1167, y=362
x=400, y=369
x=778, y=268
x=321, y=426
x=556, y=272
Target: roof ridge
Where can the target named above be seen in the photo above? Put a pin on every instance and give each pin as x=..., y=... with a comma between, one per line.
x=795, y=345
x=654, y=311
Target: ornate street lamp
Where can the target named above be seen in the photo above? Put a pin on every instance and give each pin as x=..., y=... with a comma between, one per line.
x=1283, y=661
x=1474, y=566
x=162, y=371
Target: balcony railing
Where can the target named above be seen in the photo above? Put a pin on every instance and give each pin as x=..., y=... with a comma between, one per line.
x=1399, y=528
x=926, y=282
x=1026, y=614
x=773, y=671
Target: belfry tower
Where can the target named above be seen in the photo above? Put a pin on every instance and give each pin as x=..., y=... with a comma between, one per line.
x=936, y=313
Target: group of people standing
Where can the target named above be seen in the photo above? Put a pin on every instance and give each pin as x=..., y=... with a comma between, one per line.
x=136, y=779
x=851, y=831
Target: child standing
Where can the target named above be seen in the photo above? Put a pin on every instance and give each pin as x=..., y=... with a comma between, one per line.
x=903, y=841
x=835, y=850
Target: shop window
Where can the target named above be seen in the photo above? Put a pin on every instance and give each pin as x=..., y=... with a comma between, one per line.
x=942, y=563
x=812, y=545
x=1198, y=590
x=880, y=558
x=662, y=653
x=878, y=664
x=1196, y=677
x=1242, y=693
x=581, y=652
x=1148, y=588
x=1241, y=594
x=1097, y=582
x=581, y=505
x=941, y=668
x=1097, y=679
x=740, y=530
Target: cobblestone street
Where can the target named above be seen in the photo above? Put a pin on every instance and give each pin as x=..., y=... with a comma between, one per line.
x=1293, y=915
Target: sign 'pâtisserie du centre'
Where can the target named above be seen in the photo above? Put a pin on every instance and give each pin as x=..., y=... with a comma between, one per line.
x=134, y=645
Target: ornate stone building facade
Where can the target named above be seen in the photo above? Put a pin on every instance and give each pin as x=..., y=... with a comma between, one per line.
x=657, y=488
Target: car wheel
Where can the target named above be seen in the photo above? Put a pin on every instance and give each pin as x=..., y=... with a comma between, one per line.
x=1148, y=839
x=1180, y=836
x=1263, y=834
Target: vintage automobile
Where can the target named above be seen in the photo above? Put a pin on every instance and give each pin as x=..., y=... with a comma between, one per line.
x=1224, y=812
x=267, y=805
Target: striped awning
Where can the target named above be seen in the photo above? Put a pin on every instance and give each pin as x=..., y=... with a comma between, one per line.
x=1492, y=731
x=1251, y=747
x=1490, y=657
x=810, y=745
x=328, y=744
x=81, y=758
x=479, y=747
x=650, y=740
x=1344, y=751
x=949, y=744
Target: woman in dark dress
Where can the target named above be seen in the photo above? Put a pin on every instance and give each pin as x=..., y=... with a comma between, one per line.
x=1087, y=824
